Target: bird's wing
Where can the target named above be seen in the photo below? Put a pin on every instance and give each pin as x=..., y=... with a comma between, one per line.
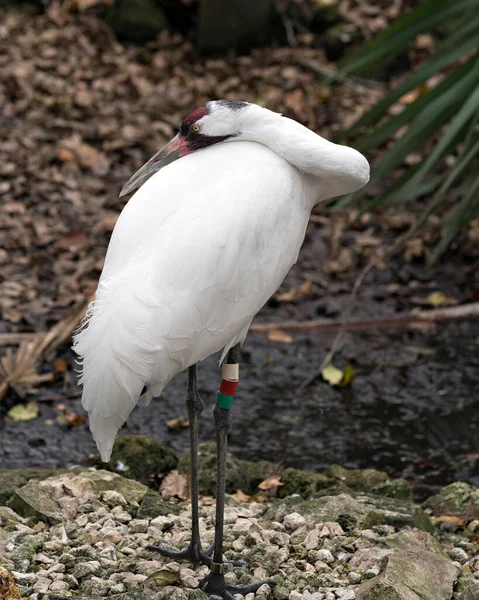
x=194, y=255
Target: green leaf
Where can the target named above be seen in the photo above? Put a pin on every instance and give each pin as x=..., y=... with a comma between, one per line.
x=397, y=36
x=432, y=66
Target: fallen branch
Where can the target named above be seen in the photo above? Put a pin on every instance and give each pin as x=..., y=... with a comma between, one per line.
x=399, y=321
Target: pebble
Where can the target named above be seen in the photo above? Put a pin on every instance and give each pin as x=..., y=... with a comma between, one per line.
x=138, y=526
x=354, y=577
x=42, y=584
x=293, y=521
x=109, y=534
x=59, y=586
x=458, y=554
x=325, y=555
x=345, y=594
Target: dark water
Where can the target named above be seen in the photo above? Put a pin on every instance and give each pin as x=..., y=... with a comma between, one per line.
x=412, y=410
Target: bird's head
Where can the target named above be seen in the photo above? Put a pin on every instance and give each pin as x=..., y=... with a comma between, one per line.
x=217, y=121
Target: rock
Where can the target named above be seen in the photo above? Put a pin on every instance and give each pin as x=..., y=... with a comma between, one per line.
x=82, y=569
x=458, y=554
x=207, y=470
x=457, y=499
x=98, y=482
x=325, y=556
x=11, y=479
x=361, y=510
x=31, y=500
x=304, y=483
x=357, y=479
x=411, y=575
x=153, y=505
x=9, y=517
x=394, y=488
x=139, y=457
x=112, y=498
x=409, y=540
x=138, y=526
x=366, y=558
x=294, y=521
x=240, y=474
x=470, y=591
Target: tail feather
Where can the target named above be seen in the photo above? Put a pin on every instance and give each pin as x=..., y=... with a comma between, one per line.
x=116, y=359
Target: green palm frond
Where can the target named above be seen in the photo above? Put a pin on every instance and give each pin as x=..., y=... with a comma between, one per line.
x=447, y=114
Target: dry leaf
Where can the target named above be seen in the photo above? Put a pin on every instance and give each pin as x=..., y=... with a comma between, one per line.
x=178, y=424
x=174, y=485
x=452, y=520
x=74, y=241
x=18, y=370
x=270, y=484
x=24, y=412
x=8, y=589
x=60, y=365
x=298, y=292
x=278, y=335
x=163, y=578
x=242, y=497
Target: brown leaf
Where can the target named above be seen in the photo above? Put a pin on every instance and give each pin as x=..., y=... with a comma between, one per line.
x=270, y=484
x=278, y=335
x=178, y=423
x=174, y=485
x=8, y=589
x=304, y=289
x=74, y=241
x=242, y=497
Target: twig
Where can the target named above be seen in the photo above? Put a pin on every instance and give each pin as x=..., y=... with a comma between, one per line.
x=398, y=321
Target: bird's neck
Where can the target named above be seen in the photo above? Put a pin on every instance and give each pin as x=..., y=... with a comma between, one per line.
x=339, y=169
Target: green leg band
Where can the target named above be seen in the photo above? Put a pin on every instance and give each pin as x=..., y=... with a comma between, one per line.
x=224, y=401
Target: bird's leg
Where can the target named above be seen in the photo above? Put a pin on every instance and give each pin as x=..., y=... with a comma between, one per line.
x=194, y=552
x=214, y=582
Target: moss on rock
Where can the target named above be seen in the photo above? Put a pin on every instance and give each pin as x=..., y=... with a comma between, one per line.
x=362, y=480
x=12, y=479
x=411, y=574
x=459, y=499
x=153, y=505
x=304, y=483
x=138, y=457
x=394, y=488
x=207, y=470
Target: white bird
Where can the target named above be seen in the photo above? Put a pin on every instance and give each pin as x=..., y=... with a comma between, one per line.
x=195, y=254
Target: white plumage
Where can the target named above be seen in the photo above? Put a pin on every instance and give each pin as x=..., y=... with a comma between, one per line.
x=199, y=249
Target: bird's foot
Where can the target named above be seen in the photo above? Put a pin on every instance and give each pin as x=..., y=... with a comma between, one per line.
x=194, y=553
x=214, y=584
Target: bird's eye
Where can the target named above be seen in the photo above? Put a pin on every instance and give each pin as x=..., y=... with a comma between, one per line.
x=196, y=128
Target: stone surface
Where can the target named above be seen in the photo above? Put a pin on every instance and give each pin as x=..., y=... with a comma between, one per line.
x=304, y=483
x=357, y=479
x=394, y=488
x=411, y=575
x=364, y=511
x=139, y=457
x=153, y=505
x=457, y=499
